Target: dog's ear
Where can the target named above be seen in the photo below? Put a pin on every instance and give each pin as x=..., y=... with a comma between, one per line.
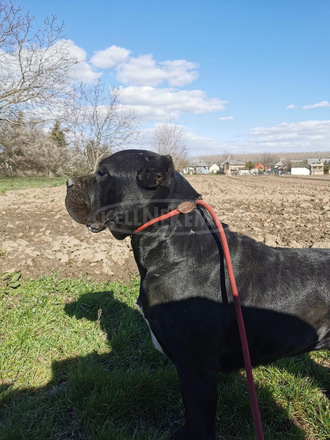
x=158, y=171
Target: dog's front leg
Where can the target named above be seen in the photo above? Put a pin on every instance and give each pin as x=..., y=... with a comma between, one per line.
x=199, y=393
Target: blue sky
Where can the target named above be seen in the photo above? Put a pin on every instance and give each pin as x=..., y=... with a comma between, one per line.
x=239, y=76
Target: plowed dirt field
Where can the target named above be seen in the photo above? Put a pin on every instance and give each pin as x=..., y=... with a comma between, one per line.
x=37, y=234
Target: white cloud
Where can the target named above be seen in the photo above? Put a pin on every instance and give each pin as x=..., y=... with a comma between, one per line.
x=140, y=71
x=154, y=90
x=178, y=73
x=159, y=104
x=200, y=145
x=298, y=136
x=196, y=145
x=82, y=71
x=321, y=104
x=290, y=137
x=290, y=107
x=227, y=118
x=61, y=50
x=145, y=71
x=110, y=57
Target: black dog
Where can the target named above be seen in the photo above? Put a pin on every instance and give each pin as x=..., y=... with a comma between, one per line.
x=184, y=292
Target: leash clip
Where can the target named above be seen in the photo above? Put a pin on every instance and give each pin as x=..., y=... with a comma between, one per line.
x=186, y=207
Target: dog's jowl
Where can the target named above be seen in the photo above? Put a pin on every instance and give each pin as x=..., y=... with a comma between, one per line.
x=184, y=293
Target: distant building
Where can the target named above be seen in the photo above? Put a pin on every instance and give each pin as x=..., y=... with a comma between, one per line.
x=281, y=165
x=214, y=168
x=316, y=166
x=260, y=167
x=243, y=171
x=196, y=166
x=232, y=166
x=299, y=168
x=313, y=167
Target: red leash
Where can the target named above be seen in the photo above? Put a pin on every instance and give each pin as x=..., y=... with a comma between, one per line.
x=184, y=208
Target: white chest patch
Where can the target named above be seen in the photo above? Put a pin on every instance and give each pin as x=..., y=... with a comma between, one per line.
x=153, y=337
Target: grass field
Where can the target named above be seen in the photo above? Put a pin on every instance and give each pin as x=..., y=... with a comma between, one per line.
x=14, y=183
x=77, y=362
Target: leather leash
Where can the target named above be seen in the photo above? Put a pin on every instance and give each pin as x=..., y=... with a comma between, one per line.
x=185, y=208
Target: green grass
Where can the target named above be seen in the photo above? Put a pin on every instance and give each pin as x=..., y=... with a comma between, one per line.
x=14, y=183
x=77, y=362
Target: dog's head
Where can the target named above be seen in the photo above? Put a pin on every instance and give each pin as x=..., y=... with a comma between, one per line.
x=127, y=189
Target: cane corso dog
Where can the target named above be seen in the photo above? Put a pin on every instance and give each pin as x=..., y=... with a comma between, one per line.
x=185, y=296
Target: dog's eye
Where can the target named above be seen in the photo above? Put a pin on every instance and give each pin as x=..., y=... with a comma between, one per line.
x=101, y=172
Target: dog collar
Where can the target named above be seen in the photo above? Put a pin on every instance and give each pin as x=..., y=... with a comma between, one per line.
x=183, y=208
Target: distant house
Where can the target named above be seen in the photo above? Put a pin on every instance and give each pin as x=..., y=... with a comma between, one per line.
x=260, y=167
x=316, y=166
x=313, y=167
x=243, y=171
x=214, y=168
x=299, y=168
x=196, y=166
x=281, y=165
x=232, y=166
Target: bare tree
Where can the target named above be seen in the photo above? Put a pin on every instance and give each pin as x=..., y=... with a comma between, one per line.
x=27, y=149
x=168, y=139
x=34, y=63
x=268, y=159
x=97, y=123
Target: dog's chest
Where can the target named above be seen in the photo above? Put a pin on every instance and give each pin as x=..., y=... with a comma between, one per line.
x=153, y=337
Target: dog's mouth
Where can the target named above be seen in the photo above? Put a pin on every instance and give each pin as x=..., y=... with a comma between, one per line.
x=99, y=226
x=96, y=228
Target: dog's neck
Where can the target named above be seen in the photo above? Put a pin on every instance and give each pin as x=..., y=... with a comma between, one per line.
x=181, y=190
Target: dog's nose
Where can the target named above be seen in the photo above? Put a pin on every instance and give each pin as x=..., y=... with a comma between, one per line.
x=69, y=183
